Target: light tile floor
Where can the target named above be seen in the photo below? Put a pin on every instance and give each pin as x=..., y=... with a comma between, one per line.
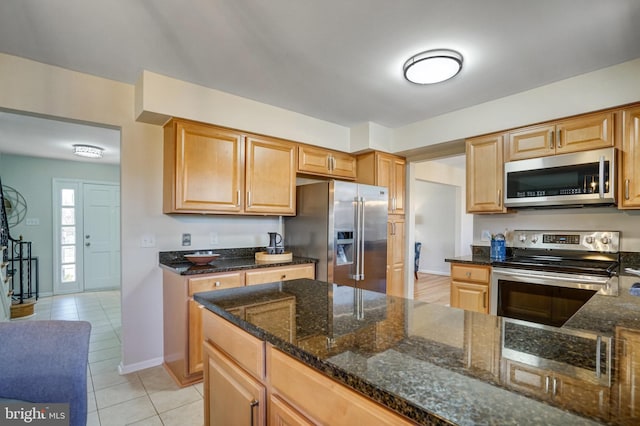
x=148, y=397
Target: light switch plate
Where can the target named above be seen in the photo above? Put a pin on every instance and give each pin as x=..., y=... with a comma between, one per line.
x=148, y=240
x=186, y=239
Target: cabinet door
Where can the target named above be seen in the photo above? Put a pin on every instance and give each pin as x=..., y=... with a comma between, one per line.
x=343, y=165
x=395, y=256
x=313, y=160
x=628, y=376
x=399, y=167
x=390, y=172
x=470, y=296
x=583, y=133
x=282, y=414
x=231, y=396
x=482, y=342
x=270, y=176
x=526, y=379
x=485, y=174
x=630, y=170
x=206, y=165
x=531, y=142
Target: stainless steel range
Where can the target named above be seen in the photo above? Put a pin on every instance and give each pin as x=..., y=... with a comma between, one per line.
x=551, y=274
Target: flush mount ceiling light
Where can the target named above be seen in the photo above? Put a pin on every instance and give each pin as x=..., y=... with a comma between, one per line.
x=88, y=151
x=432, y=66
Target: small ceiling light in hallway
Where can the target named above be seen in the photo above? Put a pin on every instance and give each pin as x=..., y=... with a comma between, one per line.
x=88, y=151
x=433, y=66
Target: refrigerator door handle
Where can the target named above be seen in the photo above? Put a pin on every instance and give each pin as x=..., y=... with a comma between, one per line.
x=355, y=275
x=362, y=240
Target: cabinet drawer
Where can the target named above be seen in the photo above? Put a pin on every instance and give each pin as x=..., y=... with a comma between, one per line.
x=245, y=349
x=269, y=275
x=470, y=273
x=216, y=282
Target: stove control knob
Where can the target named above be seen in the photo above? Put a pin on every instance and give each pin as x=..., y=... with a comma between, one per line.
x=522, y=237
x=605, y=240
x=534, y=239
x=588, y=240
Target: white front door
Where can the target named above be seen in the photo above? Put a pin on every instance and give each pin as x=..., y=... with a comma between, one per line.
x=101, y=237
x=86, y=236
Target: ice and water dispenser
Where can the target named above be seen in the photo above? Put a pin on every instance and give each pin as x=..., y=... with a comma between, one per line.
x=345, y=248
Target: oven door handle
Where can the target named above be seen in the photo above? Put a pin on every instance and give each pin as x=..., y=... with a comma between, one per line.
x=602, y=281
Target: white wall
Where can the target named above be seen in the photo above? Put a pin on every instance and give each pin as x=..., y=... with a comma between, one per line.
x=435, y=224
x=32, y=178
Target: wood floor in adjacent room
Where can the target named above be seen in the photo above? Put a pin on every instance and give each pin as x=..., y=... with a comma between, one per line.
x=432, y=288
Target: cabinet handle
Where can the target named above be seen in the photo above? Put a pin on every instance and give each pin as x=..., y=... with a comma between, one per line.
x=550, y=139
x=555, y=386
x=248, y=198
x=238, y=198
x=253, y=404
x=499, y=197
x=626, y=189
x=484, y=299
x=559, y=141
x=217, y=284
x=546, y=384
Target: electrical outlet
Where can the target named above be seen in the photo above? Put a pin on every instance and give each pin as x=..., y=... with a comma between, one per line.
x=148, y=240
x=486, y=235
x=213, y=238
x=186, y=239
x=32, y=221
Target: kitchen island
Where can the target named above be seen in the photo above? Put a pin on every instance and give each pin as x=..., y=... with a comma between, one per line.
x=432, y=364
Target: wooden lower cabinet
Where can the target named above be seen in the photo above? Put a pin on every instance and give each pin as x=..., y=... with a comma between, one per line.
x=239, y=399
x=584, y=397
x=183, y=316
x=626, y=399
x=470, y=287
x=242, y=372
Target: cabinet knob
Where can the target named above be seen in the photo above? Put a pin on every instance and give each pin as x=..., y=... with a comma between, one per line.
x=468, y=274
x=283, y=276
x=217, y=284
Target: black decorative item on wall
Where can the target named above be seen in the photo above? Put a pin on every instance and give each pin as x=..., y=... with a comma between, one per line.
x=15, y=206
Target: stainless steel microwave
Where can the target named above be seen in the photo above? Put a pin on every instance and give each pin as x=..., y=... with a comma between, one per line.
x=578, y=178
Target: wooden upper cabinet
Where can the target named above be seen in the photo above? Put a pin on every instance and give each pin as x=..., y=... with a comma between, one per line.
x=208, y=169
x=270, y=176
x=629, y=195
x=382, y=169
x=203, y=168
x=318, y=161
x=589, y=131
x=485, y=174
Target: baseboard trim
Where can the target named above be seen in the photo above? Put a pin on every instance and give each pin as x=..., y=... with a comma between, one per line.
x=132, y=368
x=424, y=271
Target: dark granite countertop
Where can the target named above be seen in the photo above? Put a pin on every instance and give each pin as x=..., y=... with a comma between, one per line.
x=229, y=260
x=420, y=359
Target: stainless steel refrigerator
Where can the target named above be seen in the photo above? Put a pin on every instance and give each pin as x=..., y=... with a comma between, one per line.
x=344, y=226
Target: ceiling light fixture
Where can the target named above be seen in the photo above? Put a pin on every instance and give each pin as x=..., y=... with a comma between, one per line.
x=433, y=66
x=88, y=151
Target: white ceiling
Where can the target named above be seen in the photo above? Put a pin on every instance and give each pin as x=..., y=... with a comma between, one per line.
x=337, y=60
